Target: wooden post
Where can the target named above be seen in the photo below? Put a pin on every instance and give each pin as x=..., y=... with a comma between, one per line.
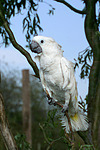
x=26, y=105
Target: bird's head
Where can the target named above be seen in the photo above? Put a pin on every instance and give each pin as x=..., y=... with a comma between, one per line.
x=45, y=46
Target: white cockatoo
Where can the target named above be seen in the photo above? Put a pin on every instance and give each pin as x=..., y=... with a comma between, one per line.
x=58, y=80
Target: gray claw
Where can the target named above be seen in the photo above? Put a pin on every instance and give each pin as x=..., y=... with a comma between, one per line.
x=51, y=101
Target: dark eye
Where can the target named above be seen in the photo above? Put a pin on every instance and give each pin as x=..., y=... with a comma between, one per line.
x=42, y=41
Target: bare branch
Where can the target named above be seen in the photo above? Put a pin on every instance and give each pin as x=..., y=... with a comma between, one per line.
x=5, y=130
x=71, y=7
x=44, y=133
x=19, y=47
x=50, y=143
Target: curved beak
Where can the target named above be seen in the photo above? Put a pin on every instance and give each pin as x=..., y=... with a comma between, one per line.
x=35, y=47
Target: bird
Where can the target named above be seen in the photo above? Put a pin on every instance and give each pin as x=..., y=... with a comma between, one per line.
x=58, y=81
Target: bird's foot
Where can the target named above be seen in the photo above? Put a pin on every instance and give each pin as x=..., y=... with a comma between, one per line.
x=65, y=109
x=51, y=101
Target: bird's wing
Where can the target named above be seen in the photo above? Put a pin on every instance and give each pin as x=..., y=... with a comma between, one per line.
x=67, y=69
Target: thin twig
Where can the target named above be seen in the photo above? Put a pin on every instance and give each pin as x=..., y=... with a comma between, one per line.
x=48, y=148
x=83, y=51
x=71, y=7
x=44, y=133
x=45, y=137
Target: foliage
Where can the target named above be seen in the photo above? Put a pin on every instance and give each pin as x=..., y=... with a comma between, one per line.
x=31, y=21
x=51, y=116
x=87, y=147
x=13, y=8
x=85, y=59
x=22, y=143
x=51, y=11
x=54, y=137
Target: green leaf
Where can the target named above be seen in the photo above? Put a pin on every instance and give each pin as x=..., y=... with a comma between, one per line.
x=38, y=18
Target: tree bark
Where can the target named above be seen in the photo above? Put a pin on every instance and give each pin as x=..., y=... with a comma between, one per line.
x=8, y=138
x=91, y=30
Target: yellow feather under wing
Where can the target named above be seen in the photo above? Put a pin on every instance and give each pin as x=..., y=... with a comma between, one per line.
x=78, y=122
x=75, y=117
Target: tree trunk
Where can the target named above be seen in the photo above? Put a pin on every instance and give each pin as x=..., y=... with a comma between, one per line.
x=26, y=105
x=91, y=30
x=5, y=131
